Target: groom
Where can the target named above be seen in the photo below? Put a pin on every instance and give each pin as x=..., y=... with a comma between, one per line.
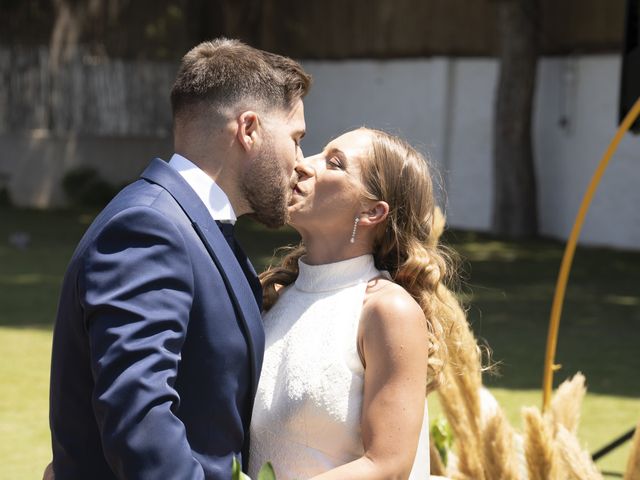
x=158, y=340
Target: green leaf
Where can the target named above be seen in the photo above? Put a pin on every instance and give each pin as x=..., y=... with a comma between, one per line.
x=442, y=437
x=267, y=472
x=236, y=471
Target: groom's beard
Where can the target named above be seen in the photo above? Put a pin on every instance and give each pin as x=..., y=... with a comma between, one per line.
x=267, y=190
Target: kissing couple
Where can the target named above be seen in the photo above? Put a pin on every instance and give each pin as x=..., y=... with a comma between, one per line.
x=171, y=357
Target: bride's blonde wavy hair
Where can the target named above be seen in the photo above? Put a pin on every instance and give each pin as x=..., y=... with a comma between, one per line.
x=405, y=245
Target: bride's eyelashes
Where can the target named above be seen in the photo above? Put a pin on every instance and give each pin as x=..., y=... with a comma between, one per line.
x=336, y=159
x=335, y=162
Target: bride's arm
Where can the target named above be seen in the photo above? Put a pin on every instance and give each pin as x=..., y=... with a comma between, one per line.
x=393, y=344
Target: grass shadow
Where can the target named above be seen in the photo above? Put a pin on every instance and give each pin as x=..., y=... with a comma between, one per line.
x=509, y=288
x=509, y=291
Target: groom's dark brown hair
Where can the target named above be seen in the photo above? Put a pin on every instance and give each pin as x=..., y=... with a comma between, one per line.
x=223, y=72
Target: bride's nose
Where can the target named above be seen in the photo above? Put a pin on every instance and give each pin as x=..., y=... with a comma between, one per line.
x=305, y=168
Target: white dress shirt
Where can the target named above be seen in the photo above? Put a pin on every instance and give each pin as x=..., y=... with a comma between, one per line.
x=209, y=192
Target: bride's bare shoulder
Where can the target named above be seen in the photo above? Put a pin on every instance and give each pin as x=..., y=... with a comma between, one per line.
x=385, y=296
x=388, y=305
x=392, y=324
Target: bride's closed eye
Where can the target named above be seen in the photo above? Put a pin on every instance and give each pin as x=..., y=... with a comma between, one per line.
x=335, y=162
x=336, y=159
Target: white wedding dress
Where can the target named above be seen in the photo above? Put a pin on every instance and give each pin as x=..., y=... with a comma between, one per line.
x=306, y=418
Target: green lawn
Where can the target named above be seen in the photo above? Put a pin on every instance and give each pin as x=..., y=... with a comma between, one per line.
x=509, y=286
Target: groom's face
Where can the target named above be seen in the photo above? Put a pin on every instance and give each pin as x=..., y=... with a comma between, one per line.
x=269, y=183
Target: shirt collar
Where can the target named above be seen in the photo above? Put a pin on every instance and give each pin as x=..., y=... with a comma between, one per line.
x=209, y=192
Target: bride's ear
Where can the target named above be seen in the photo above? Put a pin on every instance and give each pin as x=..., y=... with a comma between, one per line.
x=375, y=214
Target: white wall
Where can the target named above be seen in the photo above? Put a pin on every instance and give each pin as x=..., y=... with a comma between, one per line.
x=446, y=106
x=443, y=106
x=585, y=90
x=32, y=164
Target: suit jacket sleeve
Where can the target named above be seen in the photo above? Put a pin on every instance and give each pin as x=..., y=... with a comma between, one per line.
x=137, y=288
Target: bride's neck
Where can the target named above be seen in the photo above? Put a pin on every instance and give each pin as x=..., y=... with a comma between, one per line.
x=323, y=250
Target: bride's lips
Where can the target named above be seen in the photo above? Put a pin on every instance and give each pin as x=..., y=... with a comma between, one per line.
x=296, y=196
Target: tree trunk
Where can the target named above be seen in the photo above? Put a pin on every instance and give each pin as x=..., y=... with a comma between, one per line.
x=514, y=205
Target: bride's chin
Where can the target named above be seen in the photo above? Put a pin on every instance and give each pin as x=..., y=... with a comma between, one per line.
x=296, y=218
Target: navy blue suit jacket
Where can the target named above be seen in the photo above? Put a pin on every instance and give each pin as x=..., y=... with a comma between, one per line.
x=158, y=342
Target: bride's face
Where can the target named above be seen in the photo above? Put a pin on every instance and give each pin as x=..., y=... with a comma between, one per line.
x=328, y=195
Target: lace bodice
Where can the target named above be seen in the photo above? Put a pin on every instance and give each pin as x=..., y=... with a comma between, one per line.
x=306, y=417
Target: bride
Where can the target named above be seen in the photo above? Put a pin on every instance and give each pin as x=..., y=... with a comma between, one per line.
x=352, y=342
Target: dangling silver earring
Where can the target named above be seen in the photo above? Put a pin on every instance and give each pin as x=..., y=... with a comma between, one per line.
x=353, y=233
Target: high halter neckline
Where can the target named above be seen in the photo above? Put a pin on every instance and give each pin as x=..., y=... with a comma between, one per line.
x=334, y=276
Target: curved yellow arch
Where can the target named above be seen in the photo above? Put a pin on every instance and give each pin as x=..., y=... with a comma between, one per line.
x=567, y=258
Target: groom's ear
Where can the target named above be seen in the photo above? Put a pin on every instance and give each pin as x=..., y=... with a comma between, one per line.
x=376, y=213
x=248, y=129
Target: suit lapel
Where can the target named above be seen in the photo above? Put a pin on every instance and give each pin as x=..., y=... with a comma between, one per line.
x=250, y=273
x=241, y=293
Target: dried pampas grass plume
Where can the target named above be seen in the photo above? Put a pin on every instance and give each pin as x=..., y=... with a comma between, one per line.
x=498, y=449
x=633, y=464
x=578, y=462
x=486, y=445
x=538, y=446
x=459, y=393
x=469, y=463
x=567, y=403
